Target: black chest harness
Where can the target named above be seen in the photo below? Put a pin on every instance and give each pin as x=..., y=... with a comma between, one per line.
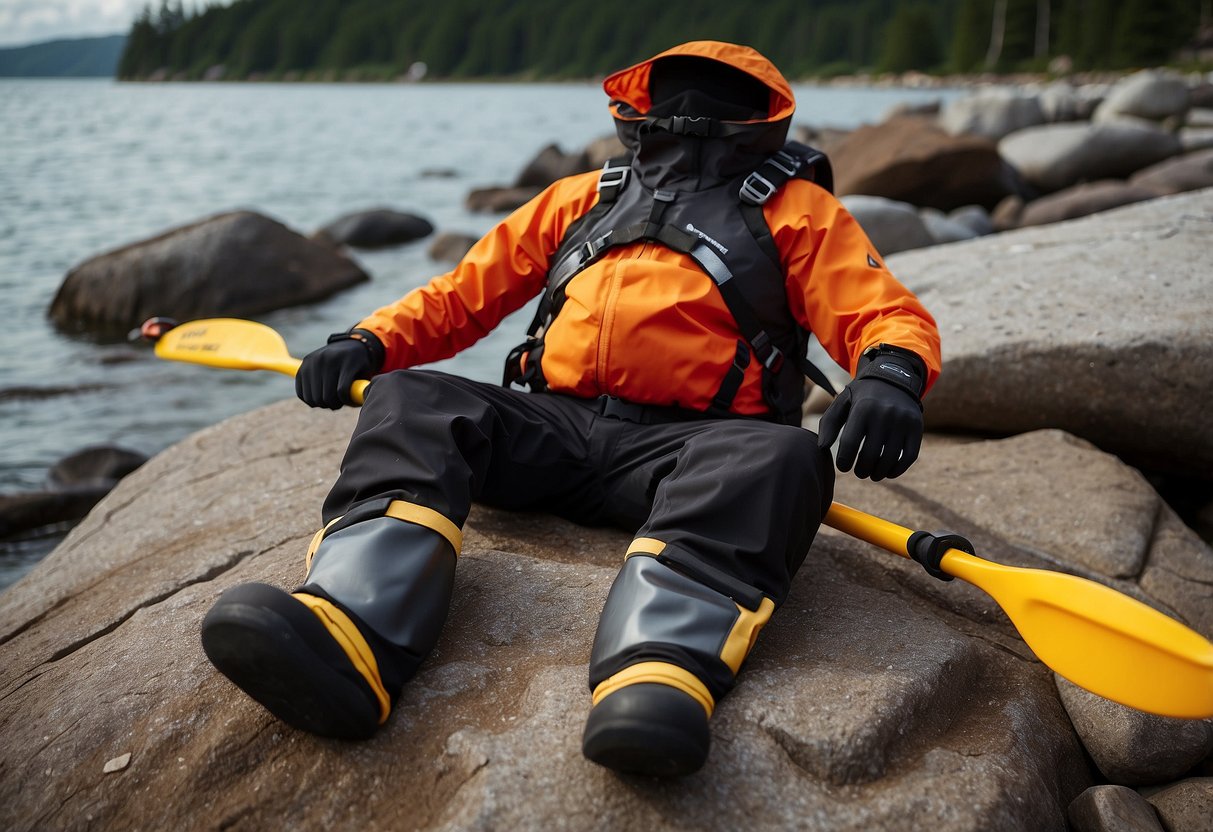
x=724, y=231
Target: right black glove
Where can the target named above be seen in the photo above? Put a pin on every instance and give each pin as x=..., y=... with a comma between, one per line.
x=879, y=415
x=326, y=375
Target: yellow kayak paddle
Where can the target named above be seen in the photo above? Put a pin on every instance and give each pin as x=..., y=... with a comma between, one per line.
x=1096, y=637
x=230, y=343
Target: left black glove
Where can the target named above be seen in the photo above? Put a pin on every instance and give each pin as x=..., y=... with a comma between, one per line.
x=326, y=375
x=882, y=414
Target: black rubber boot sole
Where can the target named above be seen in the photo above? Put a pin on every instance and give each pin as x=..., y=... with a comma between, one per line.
x=648, y=729
x=279, y=653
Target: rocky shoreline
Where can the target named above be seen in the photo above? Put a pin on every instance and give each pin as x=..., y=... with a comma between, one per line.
x=1075, y=353
x=876, y=695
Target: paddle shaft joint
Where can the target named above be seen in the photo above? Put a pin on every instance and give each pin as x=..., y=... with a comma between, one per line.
x=928, y=548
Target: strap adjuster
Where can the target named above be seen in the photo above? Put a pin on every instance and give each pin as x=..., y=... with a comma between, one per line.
x=757, y=189
x=613, y=177
x=786, y=163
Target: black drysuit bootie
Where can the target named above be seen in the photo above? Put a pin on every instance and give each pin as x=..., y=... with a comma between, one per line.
x=275, y=649
x=649, y=729
x=332, y=658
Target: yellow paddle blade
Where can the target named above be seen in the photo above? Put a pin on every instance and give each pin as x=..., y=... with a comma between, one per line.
x=234, y=344
x=1096, y=637
x=227, y=342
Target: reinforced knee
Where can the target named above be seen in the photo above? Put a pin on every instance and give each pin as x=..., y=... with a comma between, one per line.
x=672, y=620
x=389, y=565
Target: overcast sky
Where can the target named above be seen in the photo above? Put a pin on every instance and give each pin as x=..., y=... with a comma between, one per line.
x=33, y=21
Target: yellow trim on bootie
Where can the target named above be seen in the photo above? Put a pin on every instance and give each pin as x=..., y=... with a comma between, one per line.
x=745, y=632
x=662, y=673
x=346, y=634
x=432, y=520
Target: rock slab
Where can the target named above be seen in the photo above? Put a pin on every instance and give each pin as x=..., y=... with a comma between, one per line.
x=1098, y=326
x=875, y=694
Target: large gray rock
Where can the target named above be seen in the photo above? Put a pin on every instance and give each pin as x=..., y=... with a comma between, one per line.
x=1150, y=94
x=1189, y=172
x=1113, y=809
x=1132, y=748
x=913, y=160
x=1187, y=806
x=992, y=113
x=1055, y=156
x=891, y=226
x=876, y=692
x=1098, y=326
x=374, y=228
x=1083, y=200
x=551, y=163
x=239, y=264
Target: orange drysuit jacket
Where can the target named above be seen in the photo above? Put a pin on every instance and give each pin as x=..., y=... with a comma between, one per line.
x=645, y=323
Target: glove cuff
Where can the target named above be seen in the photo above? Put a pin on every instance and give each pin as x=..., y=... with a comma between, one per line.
x=897, y=366
x=374, y=347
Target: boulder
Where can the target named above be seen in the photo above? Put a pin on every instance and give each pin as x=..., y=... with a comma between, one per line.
x=500, y=200
x=1189, y=172
x=992, y=113
x=1132, y=748
x=913, y=160
x=975, y=218
x=1150, y=94
x=876, y=690
x=1112, y=809
x=1097, y=326
x=1192, y=139
x=1081, y=200
x=1185, y=806
x=27, y=511
x=943, y=229
x=239, y=264
x=449, y=246
x=1008, y=213
x=1056, y=156
x=374, y=228
x=550, y=164
x=77, y=483
x=891, y=226
x=1199, y=117
x=600, y=150
x=95, y=465
x=1062, y=102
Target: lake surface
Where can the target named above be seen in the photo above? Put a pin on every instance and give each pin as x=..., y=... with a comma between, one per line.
x=89, y=165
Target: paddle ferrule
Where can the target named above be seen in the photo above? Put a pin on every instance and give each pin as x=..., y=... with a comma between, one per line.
x=928, y=548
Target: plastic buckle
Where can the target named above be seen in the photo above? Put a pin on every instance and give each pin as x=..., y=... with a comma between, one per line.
x=790, y=164
x=690, y=126
x=615, y=177
x=928, y=548
x=757, y=189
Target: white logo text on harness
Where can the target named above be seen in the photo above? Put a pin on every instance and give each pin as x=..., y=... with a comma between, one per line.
x=707, y=239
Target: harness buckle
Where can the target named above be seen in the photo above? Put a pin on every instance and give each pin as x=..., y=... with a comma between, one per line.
x=590, y=249
x=691, y=126
x=757, y=189
x=786, y=163
x=613, y=177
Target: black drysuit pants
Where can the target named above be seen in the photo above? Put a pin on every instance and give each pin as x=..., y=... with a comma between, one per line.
x=733, y=503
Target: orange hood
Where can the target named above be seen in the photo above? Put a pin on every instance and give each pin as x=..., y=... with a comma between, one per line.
x=631, y=86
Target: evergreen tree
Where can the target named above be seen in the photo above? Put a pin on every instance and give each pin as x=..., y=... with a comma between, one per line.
x=911, y=41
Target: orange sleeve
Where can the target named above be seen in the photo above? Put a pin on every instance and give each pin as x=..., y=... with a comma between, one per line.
x=838, y=285
x=498, y=275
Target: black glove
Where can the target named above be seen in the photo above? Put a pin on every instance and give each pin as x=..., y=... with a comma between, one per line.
x=882, y=409
x=326, y=375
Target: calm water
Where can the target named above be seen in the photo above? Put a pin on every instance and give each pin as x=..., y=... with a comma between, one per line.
x=86, y=166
